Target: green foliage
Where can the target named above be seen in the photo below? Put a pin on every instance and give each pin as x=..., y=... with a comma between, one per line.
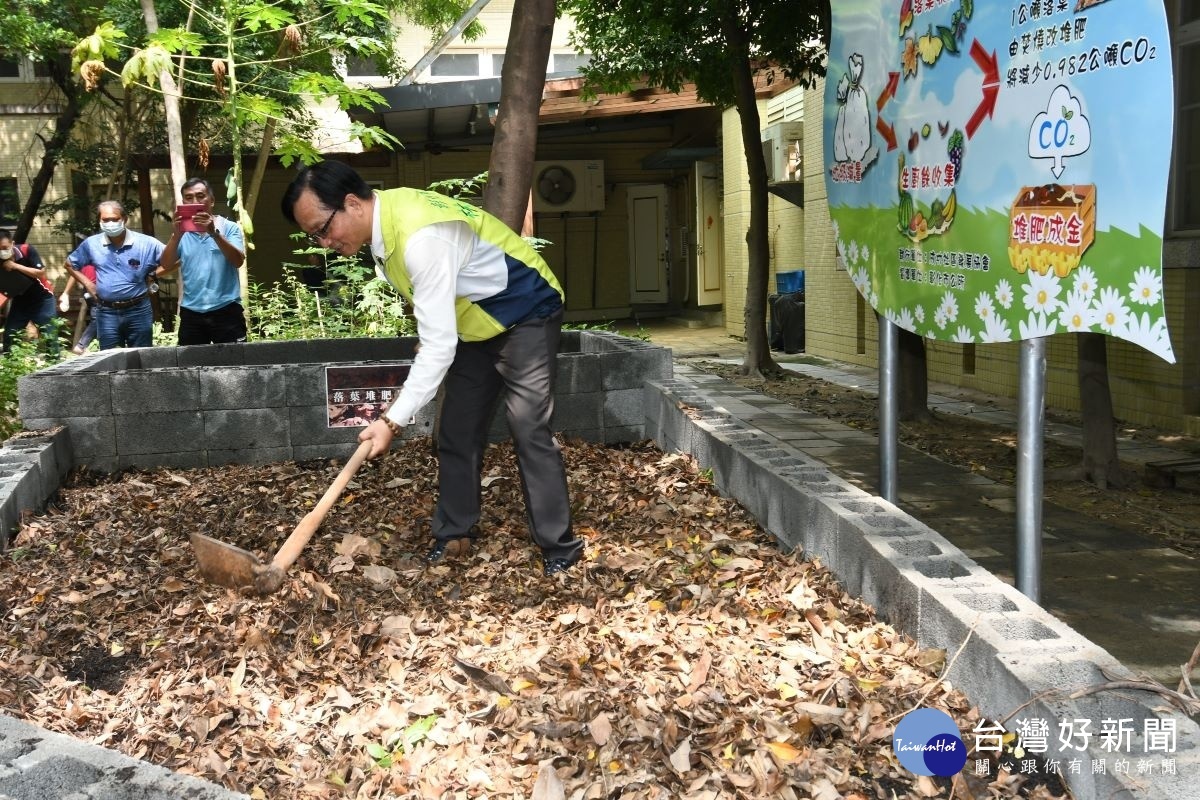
x=674, y=42
x=385, y=756
x=25, y=357
x=352, y=302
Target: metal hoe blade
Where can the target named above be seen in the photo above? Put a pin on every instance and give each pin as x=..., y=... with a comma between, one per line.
x=224, y=564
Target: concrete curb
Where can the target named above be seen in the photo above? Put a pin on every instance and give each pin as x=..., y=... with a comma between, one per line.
x=36, y=764
x=1016, y=659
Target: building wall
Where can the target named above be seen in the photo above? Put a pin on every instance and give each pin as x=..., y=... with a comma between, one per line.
x=1145, y=389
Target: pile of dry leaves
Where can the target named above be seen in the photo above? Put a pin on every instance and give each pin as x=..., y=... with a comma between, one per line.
x=688, y=658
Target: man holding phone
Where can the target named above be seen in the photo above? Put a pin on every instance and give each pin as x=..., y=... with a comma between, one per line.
x=210, y=250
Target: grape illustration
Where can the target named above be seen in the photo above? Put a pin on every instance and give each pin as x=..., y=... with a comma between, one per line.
x=954, y=149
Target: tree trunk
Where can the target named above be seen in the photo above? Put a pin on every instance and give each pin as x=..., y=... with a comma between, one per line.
x=171, y=97
x=63, y=125
x=913, y=399
x=1100, y=465
x=522, y=80
x=758, y=351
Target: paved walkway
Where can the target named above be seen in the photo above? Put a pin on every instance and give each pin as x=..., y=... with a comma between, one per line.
x=1124, y=591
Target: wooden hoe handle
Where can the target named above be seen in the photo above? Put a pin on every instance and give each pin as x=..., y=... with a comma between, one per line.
x=271, y=578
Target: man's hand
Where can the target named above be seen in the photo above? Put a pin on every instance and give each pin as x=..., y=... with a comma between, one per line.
x=379, y=435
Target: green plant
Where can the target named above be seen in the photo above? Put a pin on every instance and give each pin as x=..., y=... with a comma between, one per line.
x=641, y=333
x=384, y=756
x=351, y=301
x=25, y=357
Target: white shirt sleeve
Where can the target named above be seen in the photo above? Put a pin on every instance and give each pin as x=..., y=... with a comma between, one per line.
x=434, y=255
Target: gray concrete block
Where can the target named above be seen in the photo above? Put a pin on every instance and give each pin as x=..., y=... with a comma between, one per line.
x=43, y=395
x=576, y=373
x=309, y=452
x=179, y=432
x=288, y=352
x=245, y=429
x=161, y=357
x=629, y=368
x=623, y=408
x=617, y=434
x=309, y=425
x=90, y=437
x=156, y=391
x=243, y=387
x=211, y=355
x=579, y=412
x=305, y=384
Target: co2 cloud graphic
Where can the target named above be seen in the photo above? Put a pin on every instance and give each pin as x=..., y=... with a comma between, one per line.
x=1061, y=131
x=927, y=742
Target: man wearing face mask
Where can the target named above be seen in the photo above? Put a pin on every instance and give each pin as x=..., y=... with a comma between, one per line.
x=124, y=260
x=30, y=304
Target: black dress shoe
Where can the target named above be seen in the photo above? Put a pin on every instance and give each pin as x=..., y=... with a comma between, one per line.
x=554, y=566
x=444, y=547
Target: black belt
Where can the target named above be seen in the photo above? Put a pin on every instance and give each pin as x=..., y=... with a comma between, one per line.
x=119, y=304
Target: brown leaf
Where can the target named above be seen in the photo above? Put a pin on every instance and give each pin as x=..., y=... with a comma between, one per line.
x=681, y=759
x=548, y=786
x=600, y=729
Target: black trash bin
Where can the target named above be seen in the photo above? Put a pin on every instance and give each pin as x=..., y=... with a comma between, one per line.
x=787, y=322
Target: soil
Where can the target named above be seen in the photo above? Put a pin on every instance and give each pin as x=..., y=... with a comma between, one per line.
x=1169, y=515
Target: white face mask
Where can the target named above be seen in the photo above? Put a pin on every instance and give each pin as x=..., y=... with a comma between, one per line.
x=112, y=229
x=5, y=255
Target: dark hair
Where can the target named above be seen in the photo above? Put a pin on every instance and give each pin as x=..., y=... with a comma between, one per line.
x=6, y=234
x=330, y=181
x=190, y=182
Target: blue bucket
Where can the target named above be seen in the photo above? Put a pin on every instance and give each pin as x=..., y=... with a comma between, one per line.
x=788, y=282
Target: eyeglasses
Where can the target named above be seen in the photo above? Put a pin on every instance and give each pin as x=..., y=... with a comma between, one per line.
x=320, y=233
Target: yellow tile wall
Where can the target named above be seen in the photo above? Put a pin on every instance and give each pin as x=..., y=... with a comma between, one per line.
x=21, y=157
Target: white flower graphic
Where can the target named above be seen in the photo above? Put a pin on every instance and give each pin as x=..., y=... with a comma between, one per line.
x=862, y=281
x=1085, y=281
x=995, y=329
x=1037, y=326
x=852, y=256
x=919, y=313
x=939, y=318
x=1150, y=334
x=1146, y=288
x=983, y=306
x=949, y=306
x=1110, y=310
x=963, y=334
x=1076, y=313
x=874, y=299
x=1041, y=293
x=1004, y=295
x=834, y=224
x=904, y=318
x=866, y=254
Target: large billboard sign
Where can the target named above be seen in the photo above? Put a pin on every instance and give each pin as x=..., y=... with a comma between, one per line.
x=997, y=171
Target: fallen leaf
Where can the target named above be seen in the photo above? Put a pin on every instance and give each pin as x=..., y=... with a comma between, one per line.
x=681, y=759
x=600, y=729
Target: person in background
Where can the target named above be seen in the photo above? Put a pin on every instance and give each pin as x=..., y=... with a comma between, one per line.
x=210, y=311
x=64, y=305
x=124, y=260
x=36, y=303
x=489, y=312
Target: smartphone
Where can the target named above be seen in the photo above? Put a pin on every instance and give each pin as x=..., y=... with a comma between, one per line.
x=186, y=212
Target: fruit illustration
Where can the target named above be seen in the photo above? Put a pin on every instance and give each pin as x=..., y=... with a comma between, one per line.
x=906, y=16
x=954, y=149
x=926, y=130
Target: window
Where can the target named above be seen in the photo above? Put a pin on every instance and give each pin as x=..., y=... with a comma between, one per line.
x=10, y=202
x=1184, y=209
x=455, y=65
x=10, y=69
x=497, y=64
x=361, y=67
x=569, y=62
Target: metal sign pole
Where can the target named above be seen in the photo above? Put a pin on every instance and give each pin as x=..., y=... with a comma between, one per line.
x=889, y=368
x=1030, y=422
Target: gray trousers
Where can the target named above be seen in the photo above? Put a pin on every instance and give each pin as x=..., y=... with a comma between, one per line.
x=522, y=360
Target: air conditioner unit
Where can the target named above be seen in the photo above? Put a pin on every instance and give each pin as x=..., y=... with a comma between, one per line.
x=563, y=186
x=783, y=148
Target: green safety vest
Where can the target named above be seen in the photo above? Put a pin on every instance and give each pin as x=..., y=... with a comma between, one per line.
x=532, y=289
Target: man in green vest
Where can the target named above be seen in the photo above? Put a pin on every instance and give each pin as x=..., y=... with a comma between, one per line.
x=489, y=312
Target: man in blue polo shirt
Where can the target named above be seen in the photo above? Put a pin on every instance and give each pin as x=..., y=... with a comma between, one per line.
x=211, y=307
x=124, y=260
